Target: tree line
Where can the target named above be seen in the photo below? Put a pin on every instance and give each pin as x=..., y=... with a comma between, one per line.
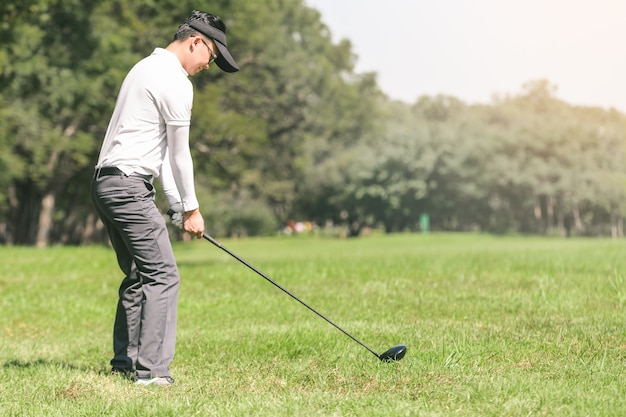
x=296, y=134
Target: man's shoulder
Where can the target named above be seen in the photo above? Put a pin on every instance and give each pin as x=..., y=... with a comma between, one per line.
x=162, y=61
x=161, y=70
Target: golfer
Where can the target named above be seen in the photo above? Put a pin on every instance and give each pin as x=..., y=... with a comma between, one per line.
x=148, y=137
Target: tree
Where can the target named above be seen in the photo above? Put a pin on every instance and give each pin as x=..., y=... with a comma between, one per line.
x=298, y=89
x=46, y=108
x=64, y=60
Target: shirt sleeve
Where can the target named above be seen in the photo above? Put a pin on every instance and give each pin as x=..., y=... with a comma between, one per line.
x=175, y=103
x=168, y=182
x=182, y=165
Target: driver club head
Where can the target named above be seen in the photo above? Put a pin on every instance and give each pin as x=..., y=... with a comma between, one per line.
x=394, y=354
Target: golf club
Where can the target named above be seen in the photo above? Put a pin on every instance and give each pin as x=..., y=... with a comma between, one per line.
x=393, y=354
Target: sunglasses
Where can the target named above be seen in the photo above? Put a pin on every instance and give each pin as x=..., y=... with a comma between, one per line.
x=213, y=56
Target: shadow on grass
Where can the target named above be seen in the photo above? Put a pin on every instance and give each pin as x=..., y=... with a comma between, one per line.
x=45, y=363
x=37, y=363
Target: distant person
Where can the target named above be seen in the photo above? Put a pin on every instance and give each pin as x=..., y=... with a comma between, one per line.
x=148, y=137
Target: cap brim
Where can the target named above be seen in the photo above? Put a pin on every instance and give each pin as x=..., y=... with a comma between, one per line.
x=225, y=60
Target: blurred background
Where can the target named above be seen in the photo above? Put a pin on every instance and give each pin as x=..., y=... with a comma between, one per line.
x=346, y=117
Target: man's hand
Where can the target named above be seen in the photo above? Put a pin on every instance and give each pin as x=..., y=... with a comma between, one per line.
x=177, y=217
x=193, y=223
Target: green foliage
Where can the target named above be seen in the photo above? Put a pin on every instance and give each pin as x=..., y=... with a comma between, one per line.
x=528, y=163
x=297, y=131
x=295, y=87
x=64, y=61
x=239, y=217
x=56, y=96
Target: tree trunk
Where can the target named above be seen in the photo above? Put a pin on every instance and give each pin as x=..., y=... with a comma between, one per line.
x=549, y=214
x=25, y=214
x=537, y=210
x=578, y=223
x=93, y=231
x=45, y=220
x=617, y=228
x=538, y=216
x=560, y=221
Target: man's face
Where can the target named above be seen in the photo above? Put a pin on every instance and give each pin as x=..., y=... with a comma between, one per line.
x=203, y=54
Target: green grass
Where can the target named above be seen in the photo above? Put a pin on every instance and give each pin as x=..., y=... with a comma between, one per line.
x=516, y=326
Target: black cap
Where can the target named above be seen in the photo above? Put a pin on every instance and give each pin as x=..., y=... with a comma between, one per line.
x=224, y=60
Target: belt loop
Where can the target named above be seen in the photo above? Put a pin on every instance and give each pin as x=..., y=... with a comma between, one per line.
x=96, y=174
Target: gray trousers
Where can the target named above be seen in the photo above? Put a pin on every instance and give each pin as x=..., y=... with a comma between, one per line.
x=144, y=334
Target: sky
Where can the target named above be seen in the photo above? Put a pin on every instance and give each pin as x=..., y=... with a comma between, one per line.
x=476, y=50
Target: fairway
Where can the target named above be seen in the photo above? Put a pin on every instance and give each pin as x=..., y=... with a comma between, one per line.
x=494, y=325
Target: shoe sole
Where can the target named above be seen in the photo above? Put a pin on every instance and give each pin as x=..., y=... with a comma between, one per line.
x=154, y=381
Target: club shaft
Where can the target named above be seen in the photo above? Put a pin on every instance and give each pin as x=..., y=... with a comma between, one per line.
x=277, y=285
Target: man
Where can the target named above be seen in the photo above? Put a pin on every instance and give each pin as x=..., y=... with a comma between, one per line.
x=148, y=137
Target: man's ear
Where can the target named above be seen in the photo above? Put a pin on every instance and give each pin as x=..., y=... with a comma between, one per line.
x=193, y=43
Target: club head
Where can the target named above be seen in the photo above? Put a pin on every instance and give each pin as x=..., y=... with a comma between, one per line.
x=394, y=354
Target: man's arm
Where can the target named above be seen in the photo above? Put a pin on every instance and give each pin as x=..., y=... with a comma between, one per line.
x=169, y=184
x=181, y=168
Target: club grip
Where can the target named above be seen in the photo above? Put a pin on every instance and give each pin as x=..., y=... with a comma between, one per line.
x=170, y=212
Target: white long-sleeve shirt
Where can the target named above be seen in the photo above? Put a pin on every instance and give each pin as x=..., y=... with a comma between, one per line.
x=149, y=130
